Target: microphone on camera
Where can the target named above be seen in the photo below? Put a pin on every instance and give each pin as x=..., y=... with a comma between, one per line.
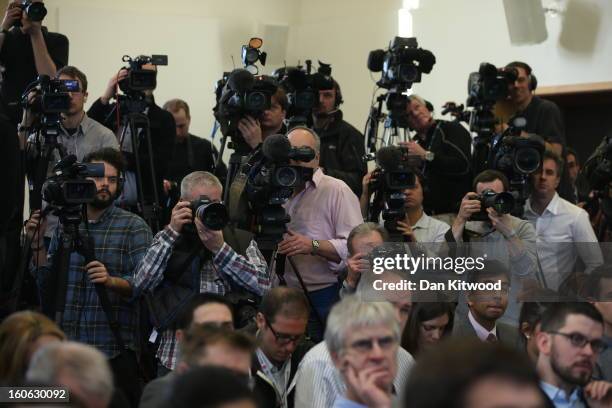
x=240, y=80
x=389, y=157
x=276, y=148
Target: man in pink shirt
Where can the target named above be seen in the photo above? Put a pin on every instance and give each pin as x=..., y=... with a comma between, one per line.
x=323, y=212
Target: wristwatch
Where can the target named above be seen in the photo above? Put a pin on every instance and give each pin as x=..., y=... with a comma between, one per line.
x=315, y=247
x=429, y=155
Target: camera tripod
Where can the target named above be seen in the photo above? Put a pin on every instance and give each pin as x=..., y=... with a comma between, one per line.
x=136, y=125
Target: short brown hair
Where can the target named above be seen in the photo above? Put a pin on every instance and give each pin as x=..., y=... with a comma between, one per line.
x=199, y=337
x=175, y=105
x=488, y=176
x=108, y=155
x=286, y=301
x=549, y=154
x=281, y=97
x=73, y=72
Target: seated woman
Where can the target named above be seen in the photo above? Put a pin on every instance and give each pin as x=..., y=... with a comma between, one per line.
x=428, y=324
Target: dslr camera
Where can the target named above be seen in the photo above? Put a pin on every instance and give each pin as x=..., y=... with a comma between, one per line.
x=212, y=214
x=36, y=11
x=502, y=203
x=68, y=188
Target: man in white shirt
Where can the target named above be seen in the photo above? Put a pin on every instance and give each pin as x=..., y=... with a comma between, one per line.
x=563, y=230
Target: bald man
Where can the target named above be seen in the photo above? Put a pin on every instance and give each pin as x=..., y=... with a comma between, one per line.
x=323, y=212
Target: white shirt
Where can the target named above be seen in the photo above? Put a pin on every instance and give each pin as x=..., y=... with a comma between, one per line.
x=482, y=333
x=428, y=229
x=319, y=383
x=563, y=233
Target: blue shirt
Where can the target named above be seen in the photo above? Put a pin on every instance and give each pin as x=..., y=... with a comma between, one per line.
x=560, y=399
x=342, y=402
x=120, y=241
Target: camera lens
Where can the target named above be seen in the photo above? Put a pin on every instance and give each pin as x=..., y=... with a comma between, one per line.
x=256, y=101
x=36, y=11
x=502, y=203
x=286, y=177
x=527, y=160
x=251, y=55
x=214, y=216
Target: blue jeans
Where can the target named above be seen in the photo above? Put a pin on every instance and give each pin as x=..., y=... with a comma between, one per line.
x=322, y=300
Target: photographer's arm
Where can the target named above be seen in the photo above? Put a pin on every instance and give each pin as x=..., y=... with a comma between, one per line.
x=42, y=59
x=364, y=199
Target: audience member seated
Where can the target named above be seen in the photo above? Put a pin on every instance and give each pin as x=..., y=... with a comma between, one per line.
x=281, y=324
x=469, y=374
x=569, y=343
x=82, y=369
x=487, y=307
x=202, y=345
x=529, y=326
x=211, y=387
x=428, y=324
x=21, y=335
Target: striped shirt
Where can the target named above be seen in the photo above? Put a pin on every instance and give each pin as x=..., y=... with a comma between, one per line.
x=226, y=268
x=120, y=241
x=319, y=383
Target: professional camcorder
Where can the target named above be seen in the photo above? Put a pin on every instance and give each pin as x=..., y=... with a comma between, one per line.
x=502, y=203
x=36, y=11
x=68, y=188
x=302, y=87
x=140, y=79
x=51, y=95
x=489, y=84
x=393, y=175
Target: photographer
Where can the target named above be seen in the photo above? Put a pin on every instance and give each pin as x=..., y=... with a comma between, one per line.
x=342, y=146
x=445, y=149
x=323, y=211
x=508, y=239
x=120, y=240
x=217, y=266
x=26, y=50
x=163, y=132
x=255, y=130
x=191, y=153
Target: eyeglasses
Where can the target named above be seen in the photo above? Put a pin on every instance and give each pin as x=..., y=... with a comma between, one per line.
x=367, y=345
x=282, y=338
x=578, y=340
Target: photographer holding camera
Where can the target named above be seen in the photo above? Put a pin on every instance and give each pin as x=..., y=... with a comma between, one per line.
x=323, y=212
x=445, y=148
x=211, y=261
x=507, y=238
x=342, y=146
x=162, y=134
x=26, y=50
x=119, y=240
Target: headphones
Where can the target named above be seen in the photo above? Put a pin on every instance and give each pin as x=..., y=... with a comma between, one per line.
x=120, y=185
x=338, y=101
x=533, y=81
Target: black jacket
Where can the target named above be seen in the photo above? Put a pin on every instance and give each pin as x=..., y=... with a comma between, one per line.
x=192, y=155
x=342, y=151
x=264, y=391
x=163, y=131
x=449, y=174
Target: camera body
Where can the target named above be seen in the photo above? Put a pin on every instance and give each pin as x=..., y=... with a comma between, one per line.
x=69, y=186
x=517, y=156
x=212, y=214
x=401, y=64
x=489, y=84
x=302, y=87
x=52, y=95
x=502, y=203
x=140, y=79
x=36, y=11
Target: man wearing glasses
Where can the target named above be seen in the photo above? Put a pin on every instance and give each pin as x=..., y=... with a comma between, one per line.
x=281, y=324
x=569, y=343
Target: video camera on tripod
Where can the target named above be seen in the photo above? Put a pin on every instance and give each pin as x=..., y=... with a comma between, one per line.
x=138, y=81
x=303, y=86
x=393, y=175
x=402, y=65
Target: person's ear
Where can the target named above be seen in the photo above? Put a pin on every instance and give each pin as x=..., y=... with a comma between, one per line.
x=260, y=320
x=544, y=343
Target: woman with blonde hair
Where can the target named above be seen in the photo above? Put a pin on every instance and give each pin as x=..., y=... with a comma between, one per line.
x=21, y=334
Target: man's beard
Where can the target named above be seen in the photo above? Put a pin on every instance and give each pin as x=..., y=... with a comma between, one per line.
x=565, y=373
x=101, y=204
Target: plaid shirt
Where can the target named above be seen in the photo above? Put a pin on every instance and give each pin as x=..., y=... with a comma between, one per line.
x=120, y=241
x=216, y=276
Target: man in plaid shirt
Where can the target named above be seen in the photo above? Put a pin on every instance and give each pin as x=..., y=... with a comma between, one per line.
x=218, y=274
x=120, y=240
